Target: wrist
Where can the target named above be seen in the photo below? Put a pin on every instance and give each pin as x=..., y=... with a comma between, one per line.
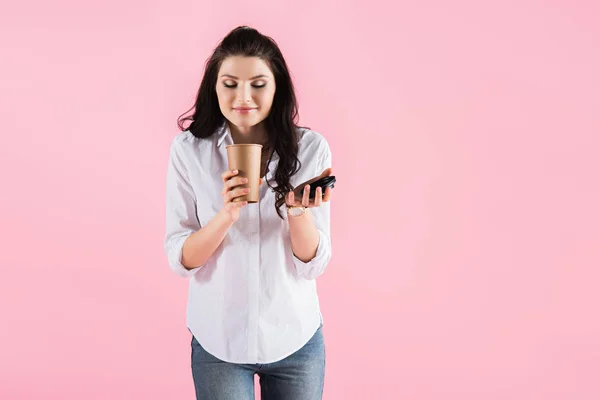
x=224, y=217
x=296, y=211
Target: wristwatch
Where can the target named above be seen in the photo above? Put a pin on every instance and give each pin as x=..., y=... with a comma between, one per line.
x=296, y=211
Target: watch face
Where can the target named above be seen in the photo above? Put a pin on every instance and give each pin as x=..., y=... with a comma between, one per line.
x=295, y=212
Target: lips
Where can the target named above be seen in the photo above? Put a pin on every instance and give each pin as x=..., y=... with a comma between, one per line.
x=244, y=109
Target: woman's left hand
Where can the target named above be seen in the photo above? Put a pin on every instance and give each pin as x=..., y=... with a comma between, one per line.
x=300, y=196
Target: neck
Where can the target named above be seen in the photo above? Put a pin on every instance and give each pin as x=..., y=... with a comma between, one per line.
x=246, y=135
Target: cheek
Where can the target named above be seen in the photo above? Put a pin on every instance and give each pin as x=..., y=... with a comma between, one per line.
x=224, y=98
x=266, y=99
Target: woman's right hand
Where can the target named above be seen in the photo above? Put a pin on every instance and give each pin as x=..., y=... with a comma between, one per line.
x=231, y=191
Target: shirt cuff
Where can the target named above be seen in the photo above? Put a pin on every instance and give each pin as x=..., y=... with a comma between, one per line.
x=175, y=253
x=315, y=267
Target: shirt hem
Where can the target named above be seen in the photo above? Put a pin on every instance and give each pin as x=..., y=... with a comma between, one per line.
x=270, y=361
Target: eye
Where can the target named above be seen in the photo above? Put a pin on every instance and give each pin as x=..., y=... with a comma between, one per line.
x=233, y=85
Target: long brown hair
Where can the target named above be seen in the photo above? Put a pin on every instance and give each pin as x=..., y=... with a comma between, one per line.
x=281, y=123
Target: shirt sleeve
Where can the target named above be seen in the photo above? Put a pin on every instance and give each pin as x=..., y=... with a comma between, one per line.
x=181, y=219
x=321, y=218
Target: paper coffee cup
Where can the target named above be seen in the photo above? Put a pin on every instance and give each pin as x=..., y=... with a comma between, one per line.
x=246, y=159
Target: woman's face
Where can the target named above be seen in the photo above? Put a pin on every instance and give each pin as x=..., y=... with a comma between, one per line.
x=245, y=89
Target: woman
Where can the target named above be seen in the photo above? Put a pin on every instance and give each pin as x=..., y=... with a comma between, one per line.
x=252, y=302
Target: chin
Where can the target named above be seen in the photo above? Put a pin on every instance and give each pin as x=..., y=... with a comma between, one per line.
x=243, y=122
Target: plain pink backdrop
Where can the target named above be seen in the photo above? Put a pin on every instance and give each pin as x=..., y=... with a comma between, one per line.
x=465, y=221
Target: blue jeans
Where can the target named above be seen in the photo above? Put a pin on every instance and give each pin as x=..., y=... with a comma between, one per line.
x=299, y=376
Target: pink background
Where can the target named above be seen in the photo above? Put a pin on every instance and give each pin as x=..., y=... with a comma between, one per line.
x=465, y=222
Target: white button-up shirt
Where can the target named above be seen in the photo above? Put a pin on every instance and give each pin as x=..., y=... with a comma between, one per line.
x=253, y=301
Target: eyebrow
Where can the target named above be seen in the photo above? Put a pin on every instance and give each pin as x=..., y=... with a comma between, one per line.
x=235, y=77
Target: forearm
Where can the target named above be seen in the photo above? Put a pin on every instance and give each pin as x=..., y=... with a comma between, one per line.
x=201, y=245
x=304, y=236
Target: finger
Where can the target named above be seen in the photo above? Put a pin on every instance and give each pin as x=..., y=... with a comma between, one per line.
x=232, y=194
x=226, y=187
x=327, y=196
x=318, y=197
x=228, y=174
x=290, y=199
x=305, y=199
x=236, y=181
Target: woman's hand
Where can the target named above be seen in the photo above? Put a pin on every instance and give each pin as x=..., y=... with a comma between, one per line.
x=231, y=191
x=300, y=196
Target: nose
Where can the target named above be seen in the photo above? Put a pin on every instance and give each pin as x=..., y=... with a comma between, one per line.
x=245, y=95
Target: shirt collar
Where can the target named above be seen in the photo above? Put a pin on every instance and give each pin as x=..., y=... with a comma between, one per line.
x=222, y=133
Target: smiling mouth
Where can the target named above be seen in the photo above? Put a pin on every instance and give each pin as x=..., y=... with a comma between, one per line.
x=244, y=110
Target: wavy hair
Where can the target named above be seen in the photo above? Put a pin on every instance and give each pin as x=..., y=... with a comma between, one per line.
x=280, y=124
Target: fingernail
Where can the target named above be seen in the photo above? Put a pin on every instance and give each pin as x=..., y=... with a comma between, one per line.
x=235, y=171
x=245, y=180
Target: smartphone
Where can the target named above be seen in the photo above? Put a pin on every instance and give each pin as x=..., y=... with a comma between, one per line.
x=323, y=183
